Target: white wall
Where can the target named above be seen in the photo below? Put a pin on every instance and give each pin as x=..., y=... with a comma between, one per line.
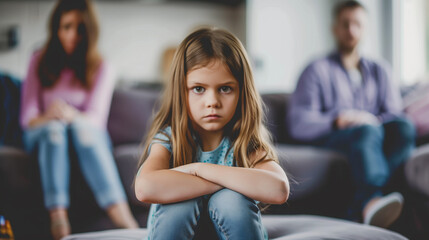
x=133, y=33
x=413, y=40
x=283, y=36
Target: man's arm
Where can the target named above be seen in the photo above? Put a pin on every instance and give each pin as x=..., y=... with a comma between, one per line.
x=306, y=120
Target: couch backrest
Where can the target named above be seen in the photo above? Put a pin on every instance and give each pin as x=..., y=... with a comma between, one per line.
x=276, y=105
x=130, y=114
x=132, y=111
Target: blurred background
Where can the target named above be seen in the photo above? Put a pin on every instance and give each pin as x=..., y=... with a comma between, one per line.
x=281, y=36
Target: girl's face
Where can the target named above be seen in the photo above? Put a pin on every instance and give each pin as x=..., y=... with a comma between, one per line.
x=70, y=30
x=212, y=97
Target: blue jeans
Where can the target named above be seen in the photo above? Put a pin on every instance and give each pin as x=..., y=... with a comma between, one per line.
x=231, y=214
x=374, y=153
x=92, y=146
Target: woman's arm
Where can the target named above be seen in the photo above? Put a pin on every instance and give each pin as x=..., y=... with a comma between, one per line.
x=157, y=184
x=97, y=105
x=266, y=182
x=30, y=112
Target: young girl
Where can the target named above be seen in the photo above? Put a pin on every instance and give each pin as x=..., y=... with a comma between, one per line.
x=66, y=98
x=208, y=154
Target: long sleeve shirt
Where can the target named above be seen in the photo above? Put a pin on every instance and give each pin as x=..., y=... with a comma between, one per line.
x=93, y=103
x=325, y=89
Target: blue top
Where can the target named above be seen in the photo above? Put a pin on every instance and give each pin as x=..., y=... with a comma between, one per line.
x=325, y=89
x=220, y=155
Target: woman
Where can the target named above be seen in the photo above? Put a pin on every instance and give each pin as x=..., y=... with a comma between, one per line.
x=66, y=98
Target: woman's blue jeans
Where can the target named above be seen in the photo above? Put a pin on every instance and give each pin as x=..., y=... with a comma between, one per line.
x=231, y=214
x=51, y=142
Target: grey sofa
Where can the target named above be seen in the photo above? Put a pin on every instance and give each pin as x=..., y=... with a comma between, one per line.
x=320, y=185
x=297, y=227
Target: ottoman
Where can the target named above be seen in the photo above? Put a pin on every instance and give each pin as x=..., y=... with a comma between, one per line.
x=291, y=227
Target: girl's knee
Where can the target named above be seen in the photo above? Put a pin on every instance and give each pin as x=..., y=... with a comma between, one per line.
x=180, y=209
x=174, y=221
x=230, y=203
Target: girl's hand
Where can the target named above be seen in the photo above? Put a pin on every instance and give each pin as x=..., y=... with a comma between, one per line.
x=191, y=169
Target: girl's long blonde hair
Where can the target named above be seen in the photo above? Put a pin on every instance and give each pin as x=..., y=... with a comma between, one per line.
x=246, y=130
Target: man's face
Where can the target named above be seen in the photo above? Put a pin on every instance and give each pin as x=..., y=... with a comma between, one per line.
x=349, y=28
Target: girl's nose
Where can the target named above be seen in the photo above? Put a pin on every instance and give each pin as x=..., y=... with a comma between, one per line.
x=212, y=100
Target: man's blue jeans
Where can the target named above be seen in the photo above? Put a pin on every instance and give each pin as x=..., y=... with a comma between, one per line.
x=92, y=146
x=374, y=153
x=231, y=214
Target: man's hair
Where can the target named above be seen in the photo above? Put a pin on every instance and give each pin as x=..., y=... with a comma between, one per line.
x=343, y=5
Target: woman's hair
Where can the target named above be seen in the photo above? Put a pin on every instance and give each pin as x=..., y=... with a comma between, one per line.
x=246, y=129
x=85, y=59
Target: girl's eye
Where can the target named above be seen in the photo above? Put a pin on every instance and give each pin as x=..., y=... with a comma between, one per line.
x=225, y=89
x=198, y=89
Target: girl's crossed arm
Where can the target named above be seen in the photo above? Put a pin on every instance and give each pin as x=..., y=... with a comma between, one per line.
x=157, y=184
x=266, y=182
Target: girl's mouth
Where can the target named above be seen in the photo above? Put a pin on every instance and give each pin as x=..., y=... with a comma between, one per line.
x=212, y=116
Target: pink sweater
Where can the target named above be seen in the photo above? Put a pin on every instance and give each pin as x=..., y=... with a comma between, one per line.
x=94, y=103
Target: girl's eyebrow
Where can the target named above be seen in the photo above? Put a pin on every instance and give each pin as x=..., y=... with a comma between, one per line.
x=204, y=84
x=229, y=83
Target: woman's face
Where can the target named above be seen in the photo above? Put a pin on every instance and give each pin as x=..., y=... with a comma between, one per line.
x=70, y=30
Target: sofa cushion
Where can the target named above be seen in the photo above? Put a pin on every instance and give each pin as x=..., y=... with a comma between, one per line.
x=278, y=227
x=416, y=170
x=275, y=111
x=305, y=227
x=310, y=168
x=320, y=181
x=130, y=114
x=127, y=157
x=10, y=98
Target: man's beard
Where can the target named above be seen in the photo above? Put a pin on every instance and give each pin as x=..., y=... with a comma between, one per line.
x=345, y=48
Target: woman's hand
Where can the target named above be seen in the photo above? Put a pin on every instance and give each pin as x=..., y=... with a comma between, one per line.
x=62, y=111
x=191, y=169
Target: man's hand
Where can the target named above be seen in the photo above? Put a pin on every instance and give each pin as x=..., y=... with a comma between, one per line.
x=354, y=118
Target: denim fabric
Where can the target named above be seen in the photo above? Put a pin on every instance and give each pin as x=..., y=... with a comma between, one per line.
x=226, y=213
x=51, y=142
x=374, y=153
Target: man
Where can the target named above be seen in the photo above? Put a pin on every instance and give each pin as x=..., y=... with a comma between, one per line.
x=349, y=103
